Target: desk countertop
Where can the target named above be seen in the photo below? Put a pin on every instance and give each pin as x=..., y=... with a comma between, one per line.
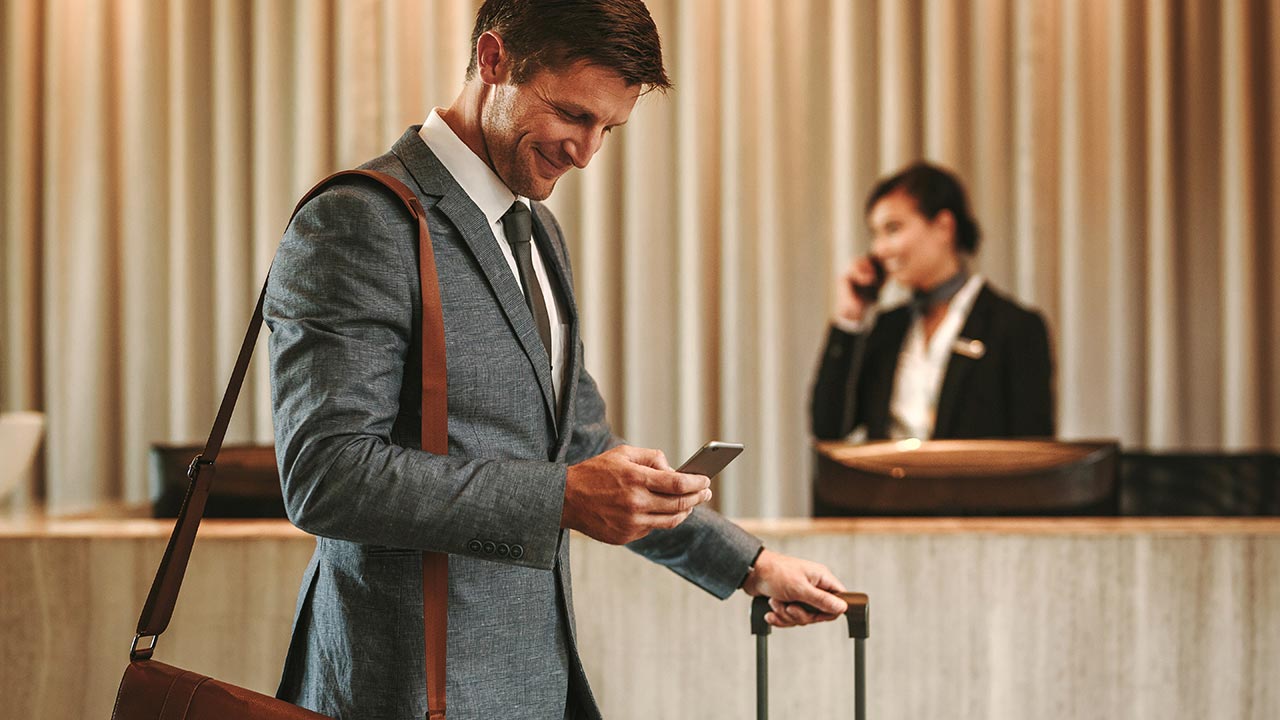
x=143, y=528
x=974, y=618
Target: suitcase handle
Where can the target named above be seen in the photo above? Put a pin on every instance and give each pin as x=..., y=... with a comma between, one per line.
x=858, y=614
x=859, y=617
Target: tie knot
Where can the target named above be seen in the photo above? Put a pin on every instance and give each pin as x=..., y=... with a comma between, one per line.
x=517, y=223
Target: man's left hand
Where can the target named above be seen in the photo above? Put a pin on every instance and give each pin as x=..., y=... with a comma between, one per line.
x=790, y=581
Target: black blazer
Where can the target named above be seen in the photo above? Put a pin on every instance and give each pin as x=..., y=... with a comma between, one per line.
x=1008, y=392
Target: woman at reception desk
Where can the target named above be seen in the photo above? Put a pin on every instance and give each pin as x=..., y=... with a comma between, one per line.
x=960, y=360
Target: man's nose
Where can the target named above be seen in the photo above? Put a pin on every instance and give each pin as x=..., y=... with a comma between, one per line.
x=584, y=147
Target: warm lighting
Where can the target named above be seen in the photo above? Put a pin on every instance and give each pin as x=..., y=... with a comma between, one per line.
x=909, y=444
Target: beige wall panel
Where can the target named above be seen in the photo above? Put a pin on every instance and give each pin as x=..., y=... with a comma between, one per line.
x=1118, y=154
x=974, y=619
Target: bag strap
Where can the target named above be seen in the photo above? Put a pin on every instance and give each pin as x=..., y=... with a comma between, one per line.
x=158, y=609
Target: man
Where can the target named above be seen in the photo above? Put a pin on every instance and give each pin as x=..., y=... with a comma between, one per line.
x=530, y=454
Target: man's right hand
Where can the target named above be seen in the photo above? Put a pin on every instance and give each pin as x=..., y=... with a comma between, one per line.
x=626, y=493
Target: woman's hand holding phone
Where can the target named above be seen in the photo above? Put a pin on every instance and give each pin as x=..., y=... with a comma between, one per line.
x=859, y=287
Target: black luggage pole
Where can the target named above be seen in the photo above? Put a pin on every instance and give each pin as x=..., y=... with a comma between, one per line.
x=761, y=629
x=859, y=617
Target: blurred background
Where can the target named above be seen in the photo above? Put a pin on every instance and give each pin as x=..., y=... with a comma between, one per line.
x=1121, y=157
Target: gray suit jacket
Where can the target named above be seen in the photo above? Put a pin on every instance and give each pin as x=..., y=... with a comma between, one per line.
x=343, y=305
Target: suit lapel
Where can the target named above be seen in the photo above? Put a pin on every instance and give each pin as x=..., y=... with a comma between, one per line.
x=959, y=366
x=473, y=227
x=889, y=333
x=558, y=268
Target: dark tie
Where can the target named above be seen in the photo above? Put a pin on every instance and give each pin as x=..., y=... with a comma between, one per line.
x=517, y=225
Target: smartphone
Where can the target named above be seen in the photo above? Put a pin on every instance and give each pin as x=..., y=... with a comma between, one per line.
x=711, y=458
x=871, y=293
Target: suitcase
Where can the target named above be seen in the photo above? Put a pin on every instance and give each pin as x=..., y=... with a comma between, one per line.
x=859, y=617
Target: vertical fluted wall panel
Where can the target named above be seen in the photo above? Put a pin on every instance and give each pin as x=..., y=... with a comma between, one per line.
x=988, y=120
x=1124, y=202
x=1269, y=183
x=1163, y=362
x=1119, y=156
x=144, y=263
x=21, y=164
x=1241, y=403
x=80, y=271
x=1199, y=294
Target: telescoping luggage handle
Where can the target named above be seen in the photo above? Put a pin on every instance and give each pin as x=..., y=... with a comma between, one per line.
x=859, y=617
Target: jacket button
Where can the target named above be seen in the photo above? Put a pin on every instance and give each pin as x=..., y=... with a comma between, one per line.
x=489, y=547
x=503, y=549
x=475, y=546
x=517, y=552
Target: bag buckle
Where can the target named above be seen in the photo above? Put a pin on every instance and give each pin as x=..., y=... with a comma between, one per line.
x=194, y=467
x=142, y=653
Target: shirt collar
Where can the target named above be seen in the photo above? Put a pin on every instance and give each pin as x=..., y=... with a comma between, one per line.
x=964, y=298
x=476, y=178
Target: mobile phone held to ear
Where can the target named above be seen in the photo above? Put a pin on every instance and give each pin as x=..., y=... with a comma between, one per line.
x=871, y=293
x=711, y=458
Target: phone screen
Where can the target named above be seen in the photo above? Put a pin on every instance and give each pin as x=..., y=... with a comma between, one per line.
x=711, y=458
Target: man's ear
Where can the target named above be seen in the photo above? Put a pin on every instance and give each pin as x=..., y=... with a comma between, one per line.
x=492, y=60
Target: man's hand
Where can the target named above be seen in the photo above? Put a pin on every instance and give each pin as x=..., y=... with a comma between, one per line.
x=626, y=493
x=789, y=581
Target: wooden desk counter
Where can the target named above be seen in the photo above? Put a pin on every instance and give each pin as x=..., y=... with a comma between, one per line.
x=971, y=618
x=1199, y=526
x=144, y=528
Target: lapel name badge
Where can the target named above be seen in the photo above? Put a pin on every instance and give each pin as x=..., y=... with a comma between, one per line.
x=972, y=349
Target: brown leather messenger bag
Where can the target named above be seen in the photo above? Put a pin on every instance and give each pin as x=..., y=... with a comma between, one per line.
x=152, y=690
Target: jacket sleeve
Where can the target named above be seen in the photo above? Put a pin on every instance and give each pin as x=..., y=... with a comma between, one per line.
x=591, y=432
x=707, y=549
x=1030, y=378
x=342, y=307
x=833, y=407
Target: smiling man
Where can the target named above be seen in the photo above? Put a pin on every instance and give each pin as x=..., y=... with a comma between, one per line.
x=530, y=453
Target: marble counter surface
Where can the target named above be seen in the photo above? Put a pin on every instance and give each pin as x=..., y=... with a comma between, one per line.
x=971, y=618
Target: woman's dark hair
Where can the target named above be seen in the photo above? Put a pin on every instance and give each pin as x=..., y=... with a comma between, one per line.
x=934, y=190
x=552, y=34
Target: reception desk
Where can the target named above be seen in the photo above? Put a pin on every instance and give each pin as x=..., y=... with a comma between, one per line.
x=975, y=618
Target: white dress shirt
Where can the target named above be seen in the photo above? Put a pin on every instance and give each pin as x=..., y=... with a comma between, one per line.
x=913, y=407
x=493, y=198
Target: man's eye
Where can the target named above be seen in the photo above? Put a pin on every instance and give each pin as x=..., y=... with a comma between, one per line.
x=572, y=117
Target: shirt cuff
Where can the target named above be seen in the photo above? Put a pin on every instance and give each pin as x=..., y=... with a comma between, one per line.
x=855, y=327
x=750, y=568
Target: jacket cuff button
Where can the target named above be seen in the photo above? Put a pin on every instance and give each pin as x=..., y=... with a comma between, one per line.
x=475, y=546
x=489, y=547
x=503, y=549
x=517, y=552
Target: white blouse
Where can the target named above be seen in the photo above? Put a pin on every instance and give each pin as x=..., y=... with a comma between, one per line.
x=913, y=407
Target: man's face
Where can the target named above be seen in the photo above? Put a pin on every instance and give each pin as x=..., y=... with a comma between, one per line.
x=557, y=119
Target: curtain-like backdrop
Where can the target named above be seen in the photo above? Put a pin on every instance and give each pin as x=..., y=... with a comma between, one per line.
x=1121, y=156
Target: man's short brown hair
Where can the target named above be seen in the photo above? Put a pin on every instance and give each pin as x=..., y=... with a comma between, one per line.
x=552, y=34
